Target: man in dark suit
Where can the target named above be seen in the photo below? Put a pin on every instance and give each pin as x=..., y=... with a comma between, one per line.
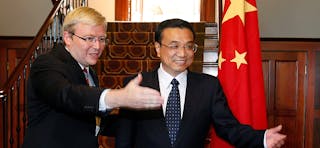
x=202, y=102
x=63, y=93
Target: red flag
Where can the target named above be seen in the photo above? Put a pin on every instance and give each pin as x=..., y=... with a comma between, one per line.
x=240, y=66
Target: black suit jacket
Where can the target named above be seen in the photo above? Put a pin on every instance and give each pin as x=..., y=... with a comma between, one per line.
x=205, y=105
x=61, y=107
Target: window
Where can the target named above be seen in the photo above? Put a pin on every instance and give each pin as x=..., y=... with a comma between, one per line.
x=156, y=11
x=190, y=10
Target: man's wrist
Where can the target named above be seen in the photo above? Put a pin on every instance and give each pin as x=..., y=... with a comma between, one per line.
x=113, y=98
x=103, y=106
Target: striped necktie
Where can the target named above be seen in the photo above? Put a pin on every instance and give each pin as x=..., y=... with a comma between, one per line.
x=86, y=75
x=97, y=118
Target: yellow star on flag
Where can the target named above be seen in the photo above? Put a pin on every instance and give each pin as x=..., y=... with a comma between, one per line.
x=239, y=58
x=238, y=7
x=220, y=60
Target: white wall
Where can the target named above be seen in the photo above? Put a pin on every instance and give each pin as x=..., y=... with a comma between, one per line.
x=289, y=18
x=105, y=7
x=23, y=17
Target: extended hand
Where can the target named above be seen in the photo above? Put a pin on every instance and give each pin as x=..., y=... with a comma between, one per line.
x=273, y=137
x=135, y=96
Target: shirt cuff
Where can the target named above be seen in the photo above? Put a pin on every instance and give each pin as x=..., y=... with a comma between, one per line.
x=265, y=140
x=102, y=103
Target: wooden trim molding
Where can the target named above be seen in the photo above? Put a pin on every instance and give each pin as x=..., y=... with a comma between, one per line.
x=207, y=10
x=9, y=45
x=122, y=10
x=15, y=42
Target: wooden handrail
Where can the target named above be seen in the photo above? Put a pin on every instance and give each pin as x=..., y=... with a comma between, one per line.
x=53, y=1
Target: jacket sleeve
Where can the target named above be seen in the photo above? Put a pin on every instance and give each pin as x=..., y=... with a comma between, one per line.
x=228, y=127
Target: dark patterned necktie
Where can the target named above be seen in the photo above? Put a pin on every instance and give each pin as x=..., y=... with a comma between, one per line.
x=173, y=111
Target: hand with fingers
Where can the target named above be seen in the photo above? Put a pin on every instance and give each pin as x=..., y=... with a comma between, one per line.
x=134, y=96
x=274, y=138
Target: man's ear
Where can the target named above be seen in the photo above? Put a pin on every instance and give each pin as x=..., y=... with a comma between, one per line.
x=157, y=47
x=67, y=37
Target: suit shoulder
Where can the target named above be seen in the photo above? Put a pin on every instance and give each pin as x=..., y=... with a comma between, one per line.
x=47, y=60
x=44, y=59
x=203, y=79
x=146, y=76
x=203, y=76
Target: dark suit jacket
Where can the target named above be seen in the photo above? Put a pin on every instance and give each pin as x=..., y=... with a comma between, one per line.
x=205, y=105
x=61, y=107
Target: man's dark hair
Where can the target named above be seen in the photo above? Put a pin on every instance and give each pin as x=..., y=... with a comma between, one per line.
x=172, y=23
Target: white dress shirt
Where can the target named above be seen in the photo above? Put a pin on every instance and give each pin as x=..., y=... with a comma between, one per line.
x=166, y=86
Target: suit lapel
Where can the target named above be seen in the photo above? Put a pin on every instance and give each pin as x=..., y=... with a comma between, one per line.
x=66, y=57
x=153, y=82
x=191, y=94
x=94, y=76
x=190, y=107
x=162, y=132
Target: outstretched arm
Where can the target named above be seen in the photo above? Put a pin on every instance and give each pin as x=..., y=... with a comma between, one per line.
x=134, y=96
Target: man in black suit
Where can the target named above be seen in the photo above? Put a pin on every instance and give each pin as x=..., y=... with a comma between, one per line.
x=63, y=97
x=202, y=102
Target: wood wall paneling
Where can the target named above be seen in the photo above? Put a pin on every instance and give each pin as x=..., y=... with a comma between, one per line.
x=316, y=122
x=3, y=65
x=285, y=83
x=317, y=85
x=12, y=49
x=311, y=113
x=14, y=57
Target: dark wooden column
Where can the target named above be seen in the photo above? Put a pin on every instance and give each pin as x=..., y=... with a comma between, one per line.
x=122, y=10
x=207, y=10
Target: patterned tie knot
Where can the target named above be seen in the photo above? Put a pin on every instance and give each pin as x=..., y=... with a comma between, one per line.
x=85, y=70
x=174, y=82
x=86, y=75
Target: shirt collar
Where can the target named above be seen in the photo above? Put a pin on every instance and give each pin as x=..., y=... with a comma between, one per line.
x=82, y=67
x=165, y=78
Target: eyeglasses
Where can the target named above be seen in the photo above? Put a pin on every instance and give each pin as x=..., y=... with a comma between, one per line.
x=189, y=46
x=92, y=39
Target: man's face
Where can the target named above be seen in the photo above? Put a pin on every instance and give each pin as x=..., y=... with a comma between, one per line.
x=86, y=52
x=173, y=50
